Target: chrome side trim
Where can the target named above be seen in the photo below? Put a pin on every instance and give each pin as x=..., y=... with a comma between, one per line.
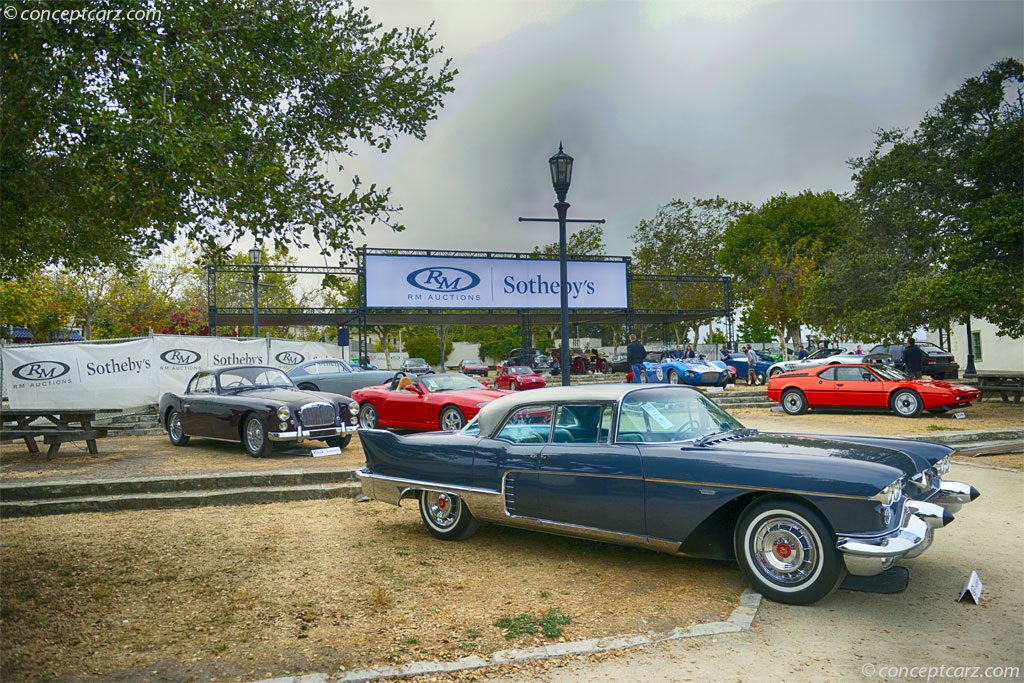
x=706, y=484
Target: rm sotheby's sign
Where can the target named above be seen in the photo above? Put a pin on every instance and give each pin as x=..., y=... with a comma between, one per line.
x=446, y=282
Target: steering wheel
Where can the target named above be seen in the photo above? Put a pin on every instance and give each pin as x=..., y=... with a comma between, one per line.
x=690, y=425
x=237, y=384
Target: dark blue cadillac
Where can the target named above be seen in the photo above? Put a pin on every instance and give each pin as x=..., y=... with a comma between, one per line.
x=663, y=467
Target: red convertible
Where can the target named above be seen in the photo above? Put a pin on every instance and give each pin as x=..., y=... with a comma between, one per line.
x=427, y=402
x=518, y=377
x=866, y=386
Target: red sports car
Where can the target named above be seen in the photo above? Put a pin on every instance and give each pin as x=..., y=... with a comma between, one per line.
x=517, y=377
x=428, y=402
x=866, y=386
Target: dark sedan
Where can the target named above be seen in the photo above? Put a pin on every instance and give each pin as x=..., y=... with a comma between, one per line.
x=416, y=365
x=257, y=406
x=938, y=362
x=664, y=468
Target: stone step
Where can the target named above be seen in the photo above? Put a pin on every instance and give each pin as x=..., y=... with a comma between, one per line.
x=179, y=499
x=62, y=497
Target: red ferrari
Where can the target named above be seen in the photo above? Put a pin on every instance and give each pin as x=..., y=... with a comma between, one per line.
x=866, y=386
x=518, y=377
x=428, y=402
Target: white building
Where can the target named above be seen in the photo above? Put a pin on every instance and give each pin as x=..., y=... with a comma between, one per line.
x=991, y=352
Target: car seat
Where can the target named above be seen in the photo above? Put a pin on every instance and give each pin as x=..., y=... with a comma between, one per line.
x=403, y=383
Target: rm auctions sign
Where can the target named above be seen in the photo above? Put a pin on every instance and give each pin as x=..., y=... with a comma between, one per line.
x=446, y=282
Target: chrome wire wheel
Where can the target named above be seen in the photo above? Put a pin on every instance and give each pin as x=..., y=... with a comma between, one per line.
x=254, y=437
x=785, y=550
x=175, y=431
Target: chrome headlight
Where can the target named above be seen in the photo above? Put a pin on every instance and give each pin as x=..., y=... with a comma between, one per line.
x=353, y=408
x=283, y=413
x=891, y=494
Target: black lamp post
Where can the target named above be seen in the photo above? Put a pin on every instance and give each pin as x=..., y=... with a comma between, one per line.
x=255, y=256
x=561, y=177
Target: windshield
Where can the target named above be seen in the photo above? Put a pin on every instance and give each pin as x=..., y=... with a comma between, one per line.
x=824, y=353
x=676, y=414
x=889, y=372
x=449, y=382
x=238, y=379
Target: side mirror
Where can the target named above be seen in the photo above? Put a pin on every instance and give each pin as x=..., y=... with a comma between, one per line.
x=484, y=382
x=414, y=389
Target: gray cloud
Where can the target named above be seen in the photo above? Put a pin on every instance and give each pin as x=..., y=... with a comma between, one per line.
x=656, y=102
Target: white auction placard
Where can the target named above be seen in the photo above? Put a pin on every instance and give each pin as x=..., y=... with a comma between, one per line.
x=449, y=282
x=81, y=376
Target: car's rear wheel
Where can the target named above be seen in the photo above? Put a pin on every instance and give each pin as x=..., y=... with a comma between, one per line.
x=254, y=437
x=368, y=418
x=339, y=441
x=788, y=552
x=309, y=386
x=451, y=419
x=643, y=376
x=774, y=371
x=761, y=379
x=673, y=377
x=446, y=516
x=175, y=432
x=794, y=402
x=906, y=403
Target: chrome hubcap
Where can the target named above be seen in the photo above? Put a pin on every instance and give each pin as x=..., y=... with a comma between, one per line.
x=443, y=509
x=784, y=550
x=175, y=427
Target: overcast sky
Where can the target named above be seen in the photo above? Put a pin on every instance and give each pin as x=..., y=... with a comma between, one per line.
x=658, y=100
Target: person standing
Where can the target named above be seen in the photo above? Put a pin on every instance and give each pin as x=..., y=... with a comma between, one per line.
x=689, y=353
x=751, y=366
x=724, y=354
x=801, y=353
x=678, y=353
x=913, y=359
x=635, y=355
x=858, y=351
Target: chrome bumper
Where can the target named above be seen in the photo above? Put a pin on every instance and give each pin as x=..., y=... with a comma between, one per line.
x=953, y=495
x=315, y=433
x=867, y=556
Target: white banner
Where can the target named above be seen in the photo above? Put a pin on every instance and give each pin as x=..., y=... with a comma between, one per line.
x=81, y=376
x=286, y=353
x=446, y=282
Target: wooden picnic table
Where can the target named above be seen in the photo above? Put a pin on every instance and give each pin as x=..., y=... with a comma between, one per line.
x=1005, y=384
x=55, y=425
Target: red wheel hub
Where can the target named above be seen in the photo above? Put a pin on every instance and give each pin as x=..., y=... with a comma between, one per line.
x=783, y=550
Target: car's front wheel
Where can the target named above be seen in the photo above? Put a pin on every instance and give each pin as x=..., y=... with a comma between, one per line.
x=175, y=432
x=339, y=441
x=254, y=437
x=451, y=419
x=368, y=418
x=761, y=379
x=794, y=402
x=788, y=552
x=906, y=403
x=446, y=516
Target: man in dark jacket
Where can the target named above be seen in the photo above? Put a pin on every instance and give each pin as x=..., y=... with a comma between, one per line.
x=635, y=355
x=913, y=359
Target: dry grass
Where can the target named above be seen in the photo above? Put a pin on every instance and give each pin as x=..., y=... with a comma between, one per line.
x=242, y=593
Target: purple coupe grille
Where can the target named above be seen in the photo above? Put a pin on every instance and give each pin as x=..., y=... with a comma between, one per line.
x=317, y=414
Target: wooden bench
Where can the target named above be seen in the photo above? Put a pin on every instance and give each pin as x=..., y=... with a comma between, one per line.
x=54, y=437
x=55, y=426
x=1005, y=384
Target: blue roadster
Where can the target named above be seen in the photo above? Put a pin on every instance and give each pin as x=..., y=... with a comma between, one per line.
x=664, y=468
x=695, y=372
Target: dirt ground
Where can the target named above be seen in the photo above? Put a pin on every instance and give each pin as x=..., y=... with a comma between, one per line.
x=250, y=592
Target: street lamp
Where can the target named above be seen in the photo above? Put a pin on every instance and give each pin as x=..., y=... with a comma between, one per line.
x=255, y=256
x=561, y=177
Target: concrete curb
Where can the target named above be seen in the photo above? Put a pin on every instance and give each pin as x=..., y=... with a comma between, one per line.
x=741, y=619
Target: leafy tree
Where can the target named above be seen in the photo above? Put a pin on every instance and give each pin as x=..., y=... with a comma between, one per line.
x=940, y=224
x=754, y=328
x=775, y=252
x=683, y=238
x=587, y=241
x=204, y=118
x=427, y=347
